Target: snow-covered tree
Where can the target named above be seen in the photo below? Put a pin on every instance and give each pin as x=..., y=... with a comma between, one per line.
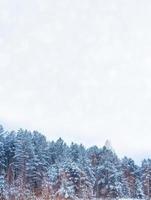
x=32, y=168
x=146, y=177
x=108, y=175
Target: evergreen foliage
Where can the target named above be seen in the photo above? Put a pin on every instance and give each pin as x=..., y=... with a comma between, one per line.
x=33, y=168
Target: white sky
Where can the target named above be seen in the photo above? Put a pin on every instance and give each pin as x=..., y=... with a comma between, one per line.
x=78, y=69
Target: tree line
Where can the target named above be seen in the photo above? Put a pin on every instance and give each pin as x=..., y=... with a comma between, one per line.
x=33, y=168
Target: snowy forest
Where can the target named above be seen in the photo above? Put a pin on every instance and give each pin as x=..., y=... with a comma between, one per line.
x=33, y=168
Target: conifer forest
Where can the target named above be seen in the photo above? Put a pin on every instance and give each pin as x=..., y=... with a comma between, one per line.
x=32, y=168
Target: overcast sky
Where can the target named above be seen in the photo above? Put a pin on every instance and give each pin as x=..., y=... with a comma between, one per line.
x=78, y=69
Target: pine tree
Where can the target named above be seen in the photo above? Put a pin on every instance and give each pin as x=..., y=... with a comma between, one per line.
x=25, y=160
x=130, y=177
x=146, y=178
x=107, y=176
x=2, y=151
